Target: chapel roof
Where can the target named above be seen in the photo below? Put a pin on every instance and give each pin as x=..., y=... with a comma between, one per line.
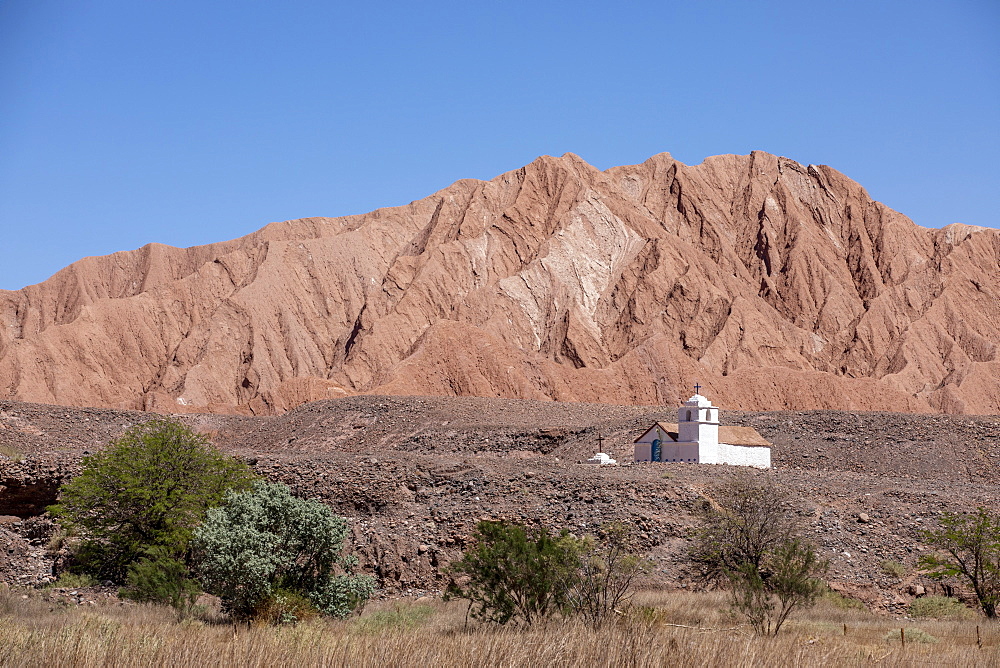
x=742, y=436
x=746, y=436
x=667, y=429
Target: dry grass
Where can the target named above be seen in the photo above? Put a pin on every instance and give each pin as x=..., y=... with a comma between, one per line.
x=12, y=453
x=665, y=629
x=894, y=569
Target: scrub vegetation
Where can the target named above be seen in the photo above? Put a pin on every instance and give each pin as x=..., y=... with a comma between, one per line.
x=522, y=574
x=146, y=491
x=968, y=549
x=167, y=518
x=163, y=513
x=750, y=541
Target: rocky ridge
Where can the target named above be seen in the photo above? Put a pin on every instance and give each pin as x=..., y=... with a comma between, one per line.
x=776, y=285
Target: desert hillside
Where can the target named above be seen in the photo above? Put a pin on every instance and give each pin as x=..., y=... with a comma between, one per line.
x=776, y=285
x=414, y=475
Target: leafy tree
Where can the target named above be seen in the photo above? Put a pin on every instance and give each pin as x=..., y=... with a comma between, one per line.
x=749, y=540
x=516, y=573
x=606, y=573
x=265, y=546
x=970, y=550
x=148, y=488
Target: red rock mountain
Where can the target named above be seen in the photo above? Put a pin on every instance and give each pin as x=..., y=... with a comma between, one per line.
x=776, y=285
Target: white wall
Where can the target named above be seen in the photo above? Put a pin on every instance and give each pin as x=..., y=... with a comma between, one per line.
x=643, y=452
x=743, y=455
x=683, y=452
x=669, y=452
x=711, y=453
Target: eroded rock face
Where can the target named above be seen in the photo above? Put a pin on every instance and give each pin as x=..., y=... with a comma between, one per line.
x=776, y=285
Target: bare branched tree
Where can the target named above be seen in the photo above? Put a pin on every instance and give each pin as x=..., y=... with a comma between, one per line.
x=609, y=566
x=742, y=520
x=749, y=541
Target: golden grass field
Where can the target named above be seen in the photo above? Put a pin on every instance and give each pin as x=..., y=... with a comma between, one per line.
x=662, y=629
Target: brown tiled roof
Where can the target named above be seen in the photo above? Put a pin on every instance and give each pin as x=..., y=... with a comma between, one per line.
x=668, y=430
x=742, y=436
x=747, y=436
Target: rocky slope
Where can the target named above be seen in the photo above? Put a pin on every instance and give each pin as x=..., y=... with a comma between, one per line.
x=414, y=474
x=774, y=284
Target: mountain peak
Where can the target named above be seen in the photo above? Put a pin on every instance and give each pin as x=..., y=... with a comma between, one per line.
x=776, y=284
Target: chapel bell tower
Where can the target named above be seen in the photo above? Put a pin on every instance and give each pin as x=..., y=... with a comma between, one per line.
x=698, y=421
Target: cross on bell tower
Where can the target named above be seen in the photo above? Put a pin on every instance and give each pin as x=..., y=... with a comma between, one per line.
x=697, y=388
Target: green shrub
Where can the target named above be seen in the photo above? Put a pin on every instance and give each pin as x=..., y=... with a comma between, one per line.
x=912, y=635
x=284, y=607
x=159, y=578
x=748, y=539
x=338, y=596
x=265, y=540
x=606, y=570
x=969, y=549
x=940, y=607
x=843, y=602
x=894, y=568
x=515, y=573
x=72, y=581
x=148, y=488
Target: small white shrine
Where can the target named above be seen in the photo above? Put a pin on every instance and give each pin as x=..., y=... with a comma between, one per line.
x=602, y=459
x=698, y=438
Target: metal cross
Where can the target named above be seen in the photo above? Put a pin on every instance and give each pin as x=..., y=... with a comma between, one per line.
x=600, y=442
x=697, y=388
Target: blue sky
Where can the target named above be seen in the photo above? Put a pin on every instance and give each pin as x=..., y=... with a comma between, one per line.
x=128, y=122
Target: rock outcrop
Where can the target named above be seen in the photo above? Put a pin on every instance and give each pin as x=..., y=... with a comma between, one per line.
x=776, y=285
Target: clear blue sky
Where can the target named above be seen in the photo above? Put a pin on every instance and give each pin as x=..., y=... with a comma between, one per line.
x=181, y=122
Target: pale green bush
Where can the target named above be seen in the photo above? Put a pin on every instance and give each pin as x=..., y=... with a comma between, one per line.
x=940, y=607
x=72, y=581
x=264, y=540
x=399, y=618
x=838, y=600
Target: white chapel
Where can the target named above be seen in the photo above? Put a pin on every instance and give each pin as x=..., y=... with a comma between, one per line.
x=698, y=438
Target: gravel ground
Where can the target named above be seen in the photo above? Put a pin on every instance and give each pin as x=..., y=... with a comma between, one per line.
x=414, y=474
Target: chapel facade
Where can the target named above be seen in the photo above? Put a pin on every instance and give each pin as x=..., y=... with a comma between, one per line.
x=698, y=438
